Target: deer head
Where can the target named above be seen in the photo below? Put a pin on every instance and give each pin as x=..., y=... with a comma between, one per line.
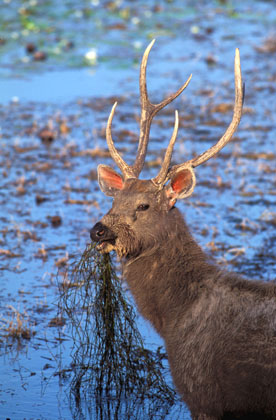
x=140, y=204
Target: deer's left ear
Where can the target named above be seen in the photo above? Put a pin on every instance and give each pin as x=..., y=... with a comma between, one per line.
x=181, y=185
x=109, y=180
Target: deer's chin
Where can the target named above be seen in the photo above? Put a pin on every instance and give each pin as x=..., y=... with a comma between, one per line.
x=105, y=247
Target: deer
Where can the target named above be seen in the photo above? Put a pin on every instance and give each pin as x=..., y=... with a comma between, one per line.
x=219, y=328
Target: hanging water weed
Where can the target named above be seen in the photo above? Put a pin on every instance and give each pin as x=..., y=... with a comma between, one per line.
x=111, y=367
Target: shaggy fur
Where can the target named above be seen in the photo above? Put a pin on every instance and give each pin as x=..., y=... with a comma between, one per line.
x=219, y=329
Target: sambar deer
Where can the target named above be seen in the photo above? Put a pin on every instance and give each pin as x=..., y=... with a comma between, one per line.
x=219, y=328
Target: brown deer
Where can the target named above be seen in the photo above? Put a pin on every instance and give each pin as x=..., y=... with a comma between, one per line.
x=219, y=329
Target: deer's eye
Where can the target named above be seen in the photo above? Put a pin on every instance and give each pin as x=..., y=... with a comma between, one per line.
x=142, y=207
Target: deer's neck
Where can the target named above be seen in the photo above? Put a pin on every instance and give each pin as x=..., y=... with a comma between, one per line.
x=169, y=276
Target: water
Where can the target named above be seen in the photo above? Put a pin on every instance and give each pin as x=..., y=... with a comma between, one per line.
x=232, y=211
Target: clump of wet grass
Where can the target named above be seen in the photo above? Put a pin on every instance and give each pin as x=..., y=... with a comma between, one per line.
x=18, y=327
x=113, y=373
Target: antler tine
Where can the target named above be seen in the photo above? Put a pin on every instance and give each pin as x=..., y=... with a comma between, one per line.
x=235, y=120
x=237, y=113
x=160, y=179
x=125, y=168
x=148, y=111
x=143, y=79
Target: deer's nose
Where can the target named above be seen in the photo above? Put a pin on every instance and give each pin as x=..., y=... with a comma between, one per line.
x=98, y=232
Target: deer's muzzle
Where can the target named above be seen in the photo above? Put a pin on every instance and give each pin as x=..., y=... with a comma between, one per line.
x=103, y=236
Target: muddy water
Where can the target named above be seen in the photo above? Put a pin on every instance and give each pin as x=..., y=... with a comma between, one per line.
x=49, y=196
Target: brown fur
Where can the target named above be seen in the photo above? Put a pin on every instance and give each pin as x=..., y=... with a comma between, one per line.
x=219, y=329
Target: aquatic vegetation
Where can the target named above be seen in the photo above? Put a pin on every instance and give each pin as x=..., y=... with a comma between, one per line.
x=17, y=327
x=111, y=367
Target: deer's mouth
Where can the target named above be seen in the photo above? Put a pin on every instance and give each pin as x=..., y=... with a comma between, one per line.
x=105, y=246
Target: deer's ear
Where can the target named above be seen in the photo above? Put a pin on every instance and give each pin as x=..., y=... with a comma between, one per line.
x=181, y=185
x=109, y=180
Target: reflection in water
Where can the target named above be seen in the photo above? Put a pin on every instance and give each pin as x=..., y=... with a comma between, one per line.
x=114, y=376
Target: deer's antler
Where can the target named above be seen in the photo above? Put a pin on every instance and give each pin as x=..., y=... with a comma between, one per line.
x=239, y=97
x=125, y=168
x=148, y=111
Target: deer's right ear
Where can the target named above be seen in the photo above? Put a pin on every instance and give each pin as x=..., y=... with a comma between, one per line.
x=109, y=180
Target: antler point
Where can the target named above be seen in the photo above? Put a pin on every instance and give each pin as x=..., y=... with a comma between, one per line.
x=237, y=56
